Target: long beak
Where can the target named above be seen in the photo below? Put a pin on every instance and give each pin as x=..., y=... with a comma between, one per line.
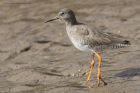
x=52, y=19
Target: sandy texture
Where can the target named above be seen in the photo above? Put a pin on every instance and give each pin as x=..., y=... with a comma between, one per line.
x=39, y=58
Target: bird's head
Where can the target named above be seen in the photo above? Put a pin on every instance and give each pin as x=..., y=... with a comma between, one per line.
x=67, y=15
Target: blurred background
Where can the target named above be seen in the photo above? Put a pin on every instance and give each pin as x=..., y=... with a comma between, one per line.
x=36, y=57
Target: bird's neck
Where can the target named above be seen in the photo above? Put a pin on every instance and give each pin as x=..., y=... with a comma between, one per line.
x=71, y=22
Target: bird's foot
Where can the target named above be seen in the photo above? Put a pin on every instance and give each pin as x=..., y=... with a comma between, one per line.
x=98, y=83
x=88, y=84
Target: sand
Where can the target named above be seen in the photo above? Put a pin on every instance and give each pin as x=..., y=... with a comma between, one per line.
x=39, y=58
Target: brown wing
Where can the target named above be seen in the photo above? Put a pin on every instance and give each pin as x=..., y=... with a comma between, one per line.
x=97, y=38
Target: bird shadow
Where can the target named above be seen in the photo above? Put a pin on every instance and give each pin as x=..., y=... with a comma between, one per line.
x=127, y=73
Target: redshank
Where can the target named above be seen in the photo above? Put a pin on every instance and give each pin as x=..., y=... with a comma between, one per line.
x=85, y=39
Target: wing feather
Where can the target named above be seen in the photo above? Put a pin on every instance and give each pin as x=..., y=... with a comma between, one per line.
x=97, y=38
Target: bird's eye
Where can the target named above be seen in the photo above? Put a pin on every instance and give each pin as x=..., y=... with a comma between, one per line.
x=62, y=13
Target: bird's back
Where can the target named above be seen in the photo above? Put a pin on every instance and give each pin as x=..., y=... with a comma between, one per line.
x=84, y=38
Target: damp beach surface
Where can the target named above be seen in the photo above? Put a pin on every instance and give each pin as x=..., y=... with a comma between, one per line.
x=39, y=58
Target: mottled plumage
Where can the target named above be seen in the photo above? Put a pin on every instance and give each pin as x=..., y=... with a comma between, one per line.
x=87, y=39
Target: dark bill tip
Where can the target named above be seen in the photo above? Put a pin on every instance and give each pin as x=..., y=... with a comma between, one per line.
x=52, y=19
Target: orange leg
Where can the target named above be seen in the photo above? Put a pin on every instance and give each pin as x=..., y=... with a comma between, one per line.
x=91, y=69
x=99, y=69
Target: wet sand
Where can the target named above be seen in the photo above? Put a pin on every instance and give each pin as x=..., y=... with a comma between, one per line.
x=39, y=58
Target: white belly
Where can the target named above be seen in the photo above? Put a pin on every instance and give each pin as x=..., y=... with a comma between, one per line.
x=77, y=40
x=79, y=45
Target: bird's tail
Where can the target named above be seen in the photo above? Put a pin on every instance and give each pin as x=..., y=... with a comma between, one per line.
x=126, y=42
